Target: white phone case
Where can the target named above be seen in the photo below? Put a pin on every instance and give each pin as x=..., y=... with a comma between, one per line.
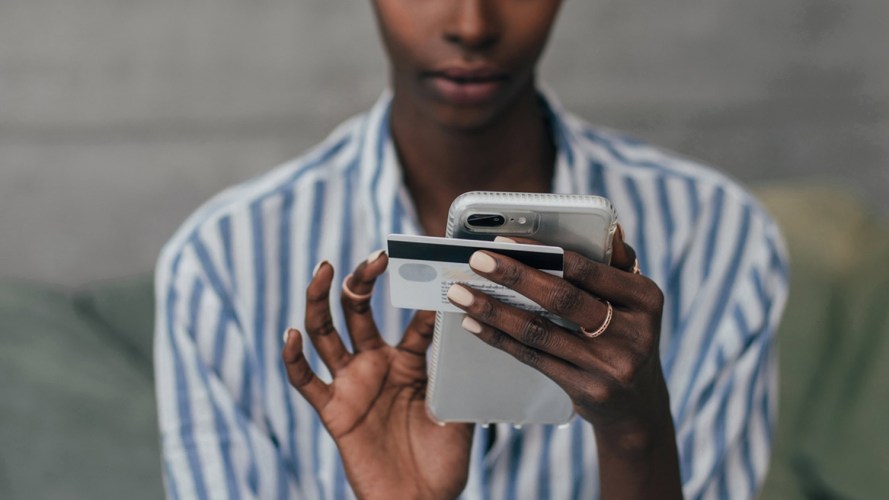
x=470, y=381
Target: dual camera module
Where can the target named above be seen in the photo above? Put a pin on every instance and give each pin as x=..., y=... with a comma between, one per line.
x=491, y=220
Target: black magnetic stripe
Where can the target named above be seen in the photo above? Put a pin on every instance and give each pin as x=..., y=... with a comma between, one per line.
x=446, y=253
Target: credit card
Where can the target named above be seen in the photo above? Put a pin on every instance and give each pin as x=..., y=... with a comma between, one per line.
x=423, y=268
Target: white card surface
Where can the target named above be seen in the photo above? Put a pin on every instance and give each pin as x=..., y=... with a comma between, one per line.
x=423, y=268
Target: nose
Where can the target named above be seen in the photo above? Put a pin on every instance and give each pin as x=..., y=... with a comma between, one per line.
x=473, y=25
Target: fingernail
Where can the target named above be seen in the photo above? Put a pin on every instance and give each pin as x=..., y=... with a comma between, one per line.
x=287, y=335
x=460, y=295
x=480, y=261
x=504, y=239
x=471, y=325
x=374, y=256
x=620, y=232
x=317, y=268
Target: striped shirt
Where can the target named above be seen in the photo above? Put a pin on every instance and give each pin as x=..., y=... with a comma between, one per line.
x=234, y=277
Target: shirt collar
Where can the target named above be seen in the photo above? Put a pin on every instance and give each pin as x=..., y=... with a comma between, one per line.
x=565, y=175
x=389, y=206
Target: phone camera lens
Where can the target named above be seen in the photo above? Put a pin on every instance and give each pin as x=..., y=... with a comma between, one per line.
x=485, y=220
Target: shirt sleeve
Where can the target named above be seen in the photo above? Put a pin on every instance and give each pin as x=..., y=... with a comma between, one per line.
x=211, y=443
x=721, y=361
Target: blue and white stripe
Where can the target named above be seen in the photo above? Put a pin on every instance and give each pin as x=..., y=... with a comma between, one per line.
x=234, y=276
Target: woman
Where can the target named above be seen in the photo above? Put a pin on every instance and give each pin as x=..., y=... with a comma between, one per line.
x=690, y=343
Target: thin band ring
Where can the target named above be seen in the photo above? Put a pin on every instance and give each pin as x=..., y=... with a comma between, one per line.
x=358, y=297
x=636, y=269
x=608, y=315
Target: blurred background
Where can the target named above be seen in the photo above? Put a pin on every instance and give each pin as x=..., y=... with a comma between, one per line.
x=118, y=118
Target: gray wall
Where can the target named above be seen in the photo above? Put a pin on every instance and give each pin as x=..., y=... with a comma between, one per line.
x=117, y=118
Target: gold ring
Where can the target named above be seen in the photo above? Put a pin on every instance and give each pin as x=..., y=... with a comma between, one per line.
x=636, y=269
x=608, y=315
x=358, y=297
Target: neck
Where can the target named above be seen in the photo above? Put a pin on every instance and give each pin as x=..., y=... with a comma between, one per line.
x=514, y=153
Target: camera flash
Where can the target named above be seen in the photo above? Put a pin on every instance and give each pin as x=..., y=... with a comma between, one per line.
x=522, y=220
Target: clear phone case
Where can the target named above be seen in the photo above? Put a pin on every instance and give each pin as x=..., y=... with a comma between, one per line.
x=470, y=381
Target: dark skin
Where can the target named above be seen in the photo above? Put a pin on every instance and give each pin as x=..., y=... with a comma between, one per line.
x=465, y=117
x=615, y=380
x=447, y=148
x=374, y=407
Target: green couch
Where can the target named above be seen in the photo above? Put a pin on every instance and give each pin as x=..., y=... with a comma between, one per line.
x=77, y=413
x=77, y=401
x=833, y=427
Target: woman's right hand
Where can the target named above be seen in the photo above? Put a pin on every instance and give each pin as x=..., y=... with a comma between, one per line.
x=375, y=406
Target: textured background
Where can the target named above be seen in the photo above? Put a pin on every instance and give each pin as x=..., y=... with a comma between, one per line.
x=118, y=118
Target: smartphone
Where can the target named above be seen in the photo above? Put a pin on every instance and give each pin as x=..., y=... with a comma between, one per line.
x=470, y=381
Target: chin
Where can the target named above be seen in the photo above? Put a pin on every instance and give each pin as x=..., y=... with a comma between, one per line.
x=465, y=118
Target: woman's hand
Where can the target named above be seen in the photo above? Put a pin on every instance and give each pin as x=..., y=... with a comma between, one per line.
x=615, y=379
x=375, y=406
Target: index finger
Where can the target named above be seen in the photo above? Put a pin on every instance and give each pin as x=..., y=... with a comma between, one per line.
x=355, y=299
x=623, y=256
x=565, y=295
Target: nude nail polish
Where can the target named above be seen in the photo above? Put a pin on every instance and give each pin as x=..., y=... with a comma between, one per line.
x=471, y=325
x=317, y=268
x=374, y=255
x=460, y=295
x=480, y=261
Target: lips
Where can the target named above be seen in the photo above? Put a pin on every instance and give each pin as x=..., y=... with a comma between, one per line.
x=467, y=86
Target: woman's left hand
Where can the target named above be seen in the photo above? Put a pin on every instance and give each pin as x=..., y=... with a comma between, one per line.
x=615, y=379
